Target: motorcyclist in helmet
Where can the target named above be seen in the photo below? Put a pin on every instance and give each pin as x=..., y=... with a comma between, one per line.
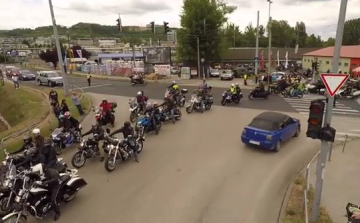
x=237, y=87
x=28, y=143
x=106, y=109
x=150, y=109
x=233, y=91
x=98, y=134
x=128, y=133
x=170, y=105
x=54, y=184
x=75, y=124
x=38, y=138
x=175, y=91
x=33, y=156
x=141, y=101
x=49, y=154
x=201, y=93
x=64, y=123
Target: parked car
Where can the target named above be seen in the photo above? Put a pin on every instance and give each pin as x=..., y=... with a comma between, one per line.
x=25, y=75
x=50, y=78
x=214, y=73
x=227, y=75
x=276, y=76
x=269, y=130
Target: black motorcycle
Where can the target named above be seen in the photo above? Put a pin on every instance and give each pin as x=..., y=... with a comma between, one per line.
x=228, y=98
x=258, y=94
x=166, y=114
x=137, y=80
x=87, y=149
x=350, y=210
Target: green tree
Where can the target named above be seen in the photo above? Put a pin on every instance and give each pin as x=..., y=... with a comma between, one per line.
x=282, y=34
x=300, y=34
x=233, y=35
x=330, y=42
x=250, y=36
x=202, y=19
x=314, y=41
x=352, y=32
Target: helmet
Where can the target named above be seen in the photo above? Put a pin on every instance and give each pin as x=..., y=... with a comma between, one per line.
x=155, y=103
x=232, y=85
x=27, y=139
x=127, y=124
x=94, y=126
x=36, y=131
x=47, y=141
x=104, y=100
x=61, y=116
x=148, y=106
x=31, y=151
x=67, y=114
x=237, y=84
x=174, y=82
x=139, y=93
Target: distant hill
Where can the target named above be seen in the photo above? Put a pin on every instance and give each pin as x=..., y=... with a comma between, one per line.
x=86, y=30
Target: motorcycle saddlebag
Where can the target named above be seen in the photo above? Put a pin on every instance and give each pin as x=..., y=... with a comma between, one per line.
x=76, y=183
x=184, y=91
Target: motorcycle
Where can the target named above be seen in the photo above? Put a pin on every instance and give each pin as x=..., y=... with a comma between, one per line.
x=292, y=93
x=134, y=110
x=34, y=198
x=227, y=98
x=348, y=94
x=166, y=115
x=101, y=119
x=181, y=97
x=87, y=149
x=137, y=79
x=350, y=210
x=316, y=88
x=195, y=104
x=257, y=94
x=62, y=140
x=145, y=125
x=119, y=149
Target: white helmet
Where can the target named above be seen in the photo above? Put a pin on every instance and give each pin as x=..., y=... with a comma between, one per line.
x=174, y=82
x=36, y=131
x=232, y=85
x=236, y=84
x=139, y=93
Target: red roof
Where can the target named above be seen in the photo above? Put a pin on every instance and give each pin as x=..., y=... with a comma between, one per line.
x=346, y=52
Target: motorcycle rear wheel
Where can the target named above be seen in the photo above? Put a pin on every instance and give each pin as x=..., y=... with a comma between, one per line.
x=178, y=117
x=71, y=197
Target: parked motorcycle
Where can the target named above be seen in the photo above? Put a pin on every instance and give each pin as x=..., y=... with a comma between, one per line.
x=137, y=79
x=119, y=149
x=34, y=197
x=145, y=125
x=134, y=109
x=62, y=140
x=258, y=94
x=87, y=149
x=227, y=98
x=101, y=119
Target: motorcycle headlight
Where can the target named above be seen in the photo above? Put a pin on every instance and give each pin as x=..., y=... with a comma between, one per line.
x=7, y=183
x=139, y=123
x=82, y=144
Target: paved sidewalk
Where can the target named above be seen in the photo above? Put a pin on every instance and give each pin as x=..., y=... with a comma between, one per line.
x=214, y=82
x=341, y=181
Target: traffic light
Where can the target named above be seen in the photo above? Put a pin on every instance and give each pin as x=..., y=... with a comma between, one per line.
x=152, y=27
x=118, y=24
x=328, y=134
x=166, y=27
x=315, y=121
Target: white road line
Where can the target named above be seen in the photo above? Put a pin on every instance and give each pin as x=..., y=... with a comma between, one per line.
x=94, y=86
x=348, y=133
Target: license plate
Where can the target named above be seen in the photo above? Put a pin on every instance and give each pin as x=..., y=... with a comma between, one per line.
x=254, y=142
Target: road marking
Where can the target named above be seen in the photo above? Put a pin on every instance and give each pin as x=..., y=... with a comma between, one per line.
x=94, y=86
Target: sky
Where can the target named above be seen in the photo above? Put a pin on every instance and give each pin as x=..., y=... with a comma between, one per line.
x=320, y=16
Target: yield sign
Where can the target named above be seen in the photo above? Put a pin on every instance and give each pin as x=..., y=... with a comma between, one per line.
x=333, y=82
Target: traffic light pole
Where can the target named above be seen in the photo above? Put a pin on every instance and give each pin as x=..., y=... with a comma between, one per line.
x=326, y=146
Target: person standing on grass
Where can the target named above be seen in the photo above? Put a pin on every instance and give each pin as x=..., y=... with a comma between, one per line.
x=15, y=79
x=88, y=77
x=77, y=103
x=2, y=78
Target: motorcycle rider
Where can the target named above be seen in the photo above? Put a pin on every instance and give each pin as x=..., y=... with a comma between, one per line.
x=75, y=124
x=53, y=183
x=33, y=157
x=49, y=154
x=175, y=91
x=38, y=138
x=170, y=105
x=106, y=109
x=128, y=132
x=99, y=132
x=141, y=101
x=237, y=87
x=28, y=143
x=150, y=110
x=233, y=91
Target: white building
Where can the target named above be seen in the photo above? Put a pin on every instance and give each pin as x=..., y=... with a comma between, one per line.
x=85, y=42
x=171, y=36
x=43, y=41
x=106, y=43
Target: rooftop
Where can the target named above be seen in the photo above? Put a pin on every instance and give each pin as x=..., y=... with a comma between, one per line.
x=346, y=52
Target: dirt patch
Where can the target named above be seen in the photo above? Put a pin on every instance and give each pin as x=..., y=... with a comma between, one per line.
x=294, y=209
x=3, y=127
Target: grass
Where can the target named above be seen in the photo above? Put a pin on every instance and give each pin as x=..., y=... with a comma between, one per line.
x=294, y=210
x=21, y=108
x=51, y=124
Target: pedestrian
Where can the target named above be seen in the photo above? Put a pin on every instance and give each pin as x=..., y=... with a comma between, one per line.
x=256, y=78
x=2, y=78
x=15, y=79
x=245, y=79
x=53, y=96
x=89, y=79
x=77, y=103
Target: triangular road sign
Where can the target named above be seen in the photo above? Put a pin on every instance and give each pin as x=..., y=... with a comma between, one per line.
x=333, y=82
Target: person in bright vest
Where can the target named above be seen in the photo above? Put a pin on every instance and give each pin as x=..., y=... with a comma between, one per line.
x=245, y=79
x=233, y=91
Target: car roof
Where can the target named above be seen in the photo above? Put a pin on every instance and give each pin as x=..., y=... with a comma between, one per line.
x=48, y=72
x=275, y=117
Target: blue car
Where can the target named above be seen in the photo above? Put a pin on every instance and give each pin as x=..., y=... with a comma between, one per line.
x=269, y=130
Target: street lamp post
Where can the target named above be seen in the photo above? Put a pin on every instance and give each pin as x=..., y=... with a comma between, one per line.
x=269, y=36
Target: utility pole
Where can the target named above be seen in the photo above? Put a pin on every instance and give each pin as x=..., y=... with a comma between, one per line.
x=257, y=45
x=198, y=55
x=326, y=146
x=69, y=61
x=133, y=54
x=16, y=49
x=57, y=42
x=269, y=52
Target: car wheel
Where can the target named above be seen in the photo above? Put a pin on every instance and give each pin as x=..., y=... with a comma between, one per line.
x=297, y=133
x=39, y=82
x=277, y=146
x=221, y=78
x=50, y=84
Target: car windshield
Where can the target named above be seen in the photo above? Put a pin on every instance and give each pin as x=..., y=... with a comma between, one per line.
x=267, y=125
x=25, y=72
x=53, y=75
x=215, y=71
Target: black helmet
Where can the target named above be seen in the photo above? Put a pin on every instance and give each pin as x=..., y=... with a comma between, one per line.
x=27, y=139
x=31, y=151
x=94, y=126
x=127, y=124
x=47, y=141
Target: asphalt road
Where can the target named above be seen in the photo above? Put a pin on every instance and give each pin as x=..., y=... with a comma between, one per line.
x=194, y=171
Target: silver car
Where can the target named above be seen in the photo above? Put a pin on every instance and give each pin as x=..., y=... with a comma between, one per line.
x=50, y=78
x=214, y=73
x=227, y=75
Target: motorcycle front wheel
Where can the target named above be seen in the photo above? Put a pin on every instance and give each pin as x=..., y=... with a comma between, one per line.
x=4, y=207
x=189, y=109
x=78, y=160
x=223, y=101
x=58, y=149
x=110, y=163
x=14, y=219
x=133, y=117
x=251, y=96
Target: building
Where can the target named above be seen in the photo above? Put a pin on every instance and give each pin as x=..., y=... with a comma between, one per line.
x=85, y=42
x=349, y=58
x=44, y=41
x=171, y=36
x=106, y=43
